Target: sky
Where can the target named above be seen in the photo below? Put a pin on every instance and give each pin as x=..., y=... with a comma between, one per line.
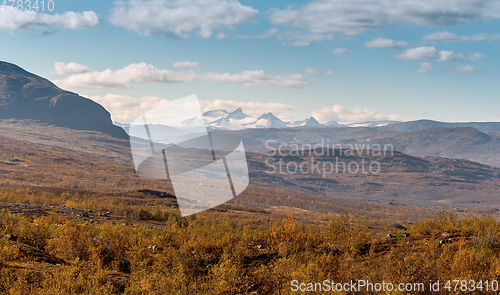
x=344, y=61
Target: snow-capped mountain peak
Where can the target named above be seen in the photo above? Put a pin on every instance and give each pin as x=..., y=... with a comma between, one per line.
x=310, y=122
x=237, y=114
x=269, y=120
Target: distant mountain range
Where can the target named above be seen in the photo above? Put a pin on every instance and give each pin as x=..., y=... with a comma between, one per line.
x=238, y=120
x=475, y=141
x=478, y=142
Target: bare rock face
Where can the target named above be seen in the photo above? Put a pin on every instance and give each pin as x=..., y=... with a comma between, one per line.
x=24, y=95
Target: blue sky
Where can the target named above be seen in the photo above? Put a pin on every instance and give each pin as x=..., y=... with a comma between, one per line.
x=347, y=61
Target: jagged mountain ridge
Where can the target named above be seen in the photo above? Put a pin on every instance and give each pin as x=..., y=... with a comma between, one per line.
x=238, y=120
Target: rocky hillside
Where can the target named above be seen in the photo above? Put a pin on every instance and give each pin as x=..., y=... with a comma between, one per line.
x=24, y=95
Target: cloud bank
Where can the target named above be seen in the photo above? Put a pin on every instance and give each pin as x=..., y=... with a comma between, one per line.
x=359, y=16
x=451, y=37
x=125, y=109
x=147, y=73
x=345, y=115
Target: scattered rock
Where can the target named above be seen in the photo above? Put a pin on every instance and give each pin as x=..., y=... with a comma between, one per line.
x=10, y=237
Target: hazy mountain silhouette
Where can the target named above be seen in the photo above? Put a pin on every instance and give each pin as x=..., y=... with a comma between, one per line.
x=24, y=95
x=428, y=124
x=457, y=143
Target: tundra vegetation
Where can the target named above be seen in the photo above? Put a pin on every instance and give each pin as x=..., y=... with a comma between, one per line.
x=68, y=243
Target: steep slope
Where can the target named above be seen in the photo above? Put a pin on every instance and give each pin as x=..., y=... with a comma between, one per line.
x=237, y=114
x=24, y=95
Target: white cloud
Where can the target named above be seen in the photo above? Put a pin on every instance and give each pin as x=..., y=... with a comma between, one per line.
x=144, y=73
x=295, y=38
x=302, y=39
x=186, y=65
x=267, y=34
x=428, y=53
x=441, y=36
x=451, y=37
x=418, y=53
x=342, y=52
x=297, y=43
x=444, y=55
x=468, y=69
x=180, y=17
x=26, y=20
x=425, y=67
x=71, y=68
x=345, y=115
x=221, y=36
x=385, y=43
x=125, y=109
x=359, y=16
x=311, y=72
x=378, y=87
x=315, y=72
x=477, y=56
